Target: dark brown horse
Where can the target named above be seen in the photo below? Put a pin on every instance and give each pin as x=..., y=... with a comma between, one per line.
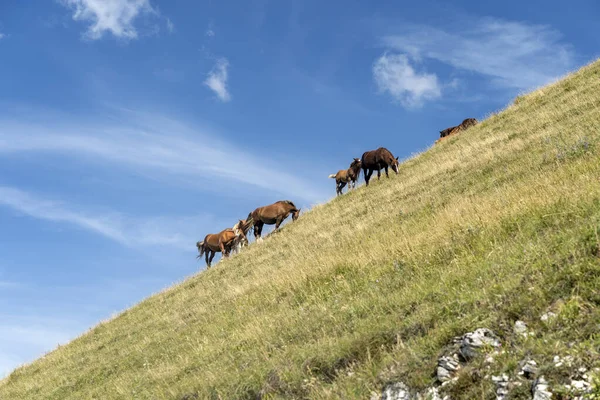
x=345, y=176
x=272, y=214
x=467, y=123
x=221, y=242
x=378, y=159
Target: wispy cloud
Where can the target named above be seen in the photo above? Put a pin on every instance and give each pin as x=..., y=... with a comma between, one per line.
x=512, y=54
x=393, y=73
x=210, y=33
x=217, y=79
x=170, y=25
x=2, y=35
x=171, y=231
x=114, y=16
x=160, y=147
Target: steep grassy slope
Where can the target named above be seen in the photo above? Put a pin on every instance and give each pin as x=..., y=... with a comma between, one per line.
x=488, y=227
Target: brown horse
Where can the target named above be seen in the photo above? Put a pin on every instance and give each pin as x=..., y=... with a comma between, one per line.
x=241, y=240
x=345, y=176
x=467, y=123
x=272, y=214
x=221, y=242
x=378, y=159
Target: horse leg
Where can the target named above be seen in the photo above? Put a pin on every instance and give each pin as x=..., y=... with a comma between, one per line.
x=206, y=258
x=212, y=255
x=368, y=173
x=378, y=174
x=223, y=251
x=258, y=228
x=386, y=172
x=279, y=220
x=256, y=231
x=342, y=185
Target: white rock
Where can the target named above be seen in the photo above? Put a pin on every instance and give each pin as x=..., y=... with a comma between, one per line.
x=520, y=328
x=446, y=367
x=396, y=391
x=502, y=384
x=559, y=362
x=529, y=369
x=471, y=342
x=431, y=394
x=580, y=385
x=548, y=316
x=541, y=389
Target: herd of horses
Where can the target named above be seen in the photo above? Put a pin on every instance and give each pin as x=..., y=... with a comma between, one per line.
x=233, y=239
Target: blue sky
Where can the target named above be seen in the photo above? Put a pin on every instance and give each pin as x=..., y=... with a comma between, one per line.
x=129, y=129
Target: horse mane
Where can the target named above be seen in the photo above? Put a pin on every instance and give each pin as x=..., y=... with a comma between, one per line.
x=288, y=202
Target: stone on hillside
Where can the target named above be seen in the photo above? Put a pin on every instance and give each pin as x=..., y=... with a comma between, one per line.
x=502, y=384
x=447, y=366
x=547, y=316
x=396, y=391
x=566, y=361
x=472, y=342
x=520, y=328
x=541, y=390
x=529, y=369
x=432, y=393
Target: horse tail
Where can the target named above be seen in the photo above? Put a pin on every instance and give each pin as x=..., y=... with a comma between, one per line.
x=332, y=176
x=200, y=246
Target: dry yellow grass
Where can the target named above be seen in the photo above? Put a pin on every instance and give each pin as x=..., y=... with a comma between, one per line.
x=487, y=227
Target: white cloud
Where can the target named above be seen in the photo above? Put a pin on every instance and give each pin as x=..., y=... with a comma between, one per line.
x=217, y=79
x=512, y=54
x=117, y=227
x=2, y=36
x=159, y=147
x=394, y=74
x=114, y=16
x=210, y=33
x=170, y=25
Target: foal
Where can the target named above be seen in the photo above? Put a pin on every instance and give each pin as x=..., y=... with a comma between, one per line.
x=221, y=242
x=345, y=176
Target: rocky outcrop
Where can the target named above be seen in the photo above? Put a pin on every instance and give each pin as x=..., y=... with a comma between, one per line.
x=467, y=347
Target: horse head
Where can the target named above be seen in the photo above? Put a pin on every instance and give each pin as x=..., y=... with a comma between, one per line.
x=241, y=228
x=295, y=214
x=395, y=165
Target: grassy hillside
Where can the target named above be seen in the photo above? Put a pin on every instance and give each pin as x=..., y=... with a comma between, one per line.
x=491, y=226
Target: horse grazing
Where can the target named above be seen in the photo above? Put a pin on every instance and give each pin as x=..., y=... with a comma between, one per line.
x=345, y=176
x=378, y=159
x=274, y=213
x=467, y=123
x=221, y=242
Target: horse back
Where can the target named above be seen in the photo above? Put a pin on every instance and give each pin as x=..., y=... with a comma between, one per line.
x=381, y=156
x=212, y=241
